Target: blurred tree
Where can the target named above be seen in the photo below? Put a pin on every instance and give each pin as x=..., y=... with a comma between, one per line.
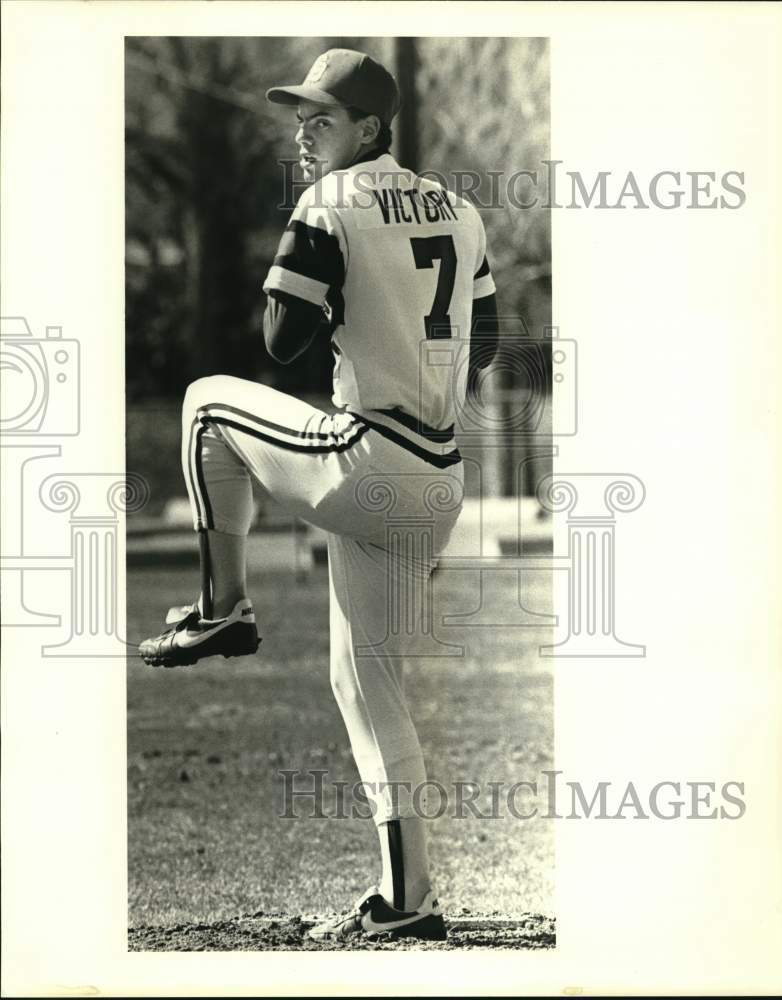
x=483, y=104
x=203, y=194
x=406, y=68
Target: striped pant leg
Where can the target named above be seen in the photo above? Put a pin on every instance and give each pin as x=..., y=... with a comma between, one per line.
x=367, y=682
x=233, y=428
x=379, y=611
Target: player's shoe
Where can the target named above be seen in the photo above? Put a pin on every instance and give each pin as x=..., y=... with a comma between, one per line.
x=192, y=638
x=372, y=916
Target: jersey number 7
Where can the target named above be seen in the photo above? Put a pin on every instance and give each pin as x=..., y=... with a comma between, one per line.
x=426, y=250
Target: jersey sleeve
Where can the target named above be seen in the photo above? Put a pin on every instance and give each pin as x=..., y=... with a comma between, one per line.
x=312, y=256
x=483, y=283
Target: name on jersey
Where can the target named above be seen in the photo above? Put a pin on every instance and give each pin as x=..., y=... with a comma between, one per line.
x=400, y=206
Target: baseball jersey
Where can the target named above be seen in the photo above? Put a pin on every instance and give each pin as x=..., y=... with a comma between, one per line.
x=396, y=261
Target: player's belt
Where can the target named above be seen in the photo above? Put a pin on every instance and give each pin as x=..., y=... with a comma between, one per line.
x=439, y=435
x=434, y=445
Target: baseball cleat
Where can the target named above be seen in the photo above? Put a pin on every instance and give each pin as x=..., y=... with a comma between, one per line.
x=372, y=916
x=192, y=638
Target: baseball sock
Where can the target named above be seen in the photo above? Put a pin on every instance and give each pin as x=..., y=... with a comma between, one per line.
x=229, y=571
x=405, y=878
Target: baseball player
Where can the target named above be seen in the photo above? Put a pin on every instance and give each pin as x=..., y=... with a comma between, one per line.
x=394, y=263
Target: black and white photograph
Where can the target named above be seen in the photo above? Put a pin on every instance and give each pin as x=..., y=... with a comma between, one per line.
x=362, y=407
x=390, y=449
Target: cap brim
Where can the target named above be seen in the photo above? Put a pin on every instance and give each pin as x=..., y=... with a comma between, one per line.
x=292, y=95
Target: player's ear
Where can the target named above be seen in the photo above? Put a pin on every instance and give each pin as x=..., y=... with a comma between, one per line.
x=370, y=129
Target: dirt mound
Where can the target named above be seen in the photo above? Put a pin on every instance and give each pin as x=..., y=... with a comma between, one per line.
x=269, y=932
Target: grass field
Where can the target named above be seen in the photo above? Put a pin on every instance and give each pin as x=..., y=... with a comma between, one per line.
x=207, y=848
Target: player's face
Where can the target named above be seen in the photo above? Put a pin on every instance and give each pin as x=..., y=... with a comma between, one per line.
x=327, y=139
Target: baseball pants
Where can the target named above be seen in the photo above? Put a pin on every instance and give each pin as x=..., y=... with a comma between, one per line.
x=374, y=497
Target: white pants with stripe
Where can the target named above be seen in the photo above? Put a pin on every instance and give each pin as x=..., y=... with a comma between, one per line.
x=388, y=511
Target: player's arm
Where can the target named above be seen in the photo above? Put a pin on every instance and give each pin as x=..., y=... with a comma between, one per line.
x=289, y=325
x=484, y=337
x=484, y=331
x=307, y=273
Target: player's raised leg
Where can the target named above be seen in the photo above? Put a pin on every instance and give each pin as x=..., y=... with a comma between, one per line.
x=228, y=570
x=232, y=428
x=222, y=620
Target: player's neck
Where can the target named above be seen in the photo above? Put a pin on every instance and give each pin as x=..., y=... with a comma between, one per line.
x=369, y=154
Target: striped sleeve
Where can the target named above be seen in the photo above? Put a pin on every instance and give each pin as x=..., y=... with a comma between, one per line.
x=311, y=258
x=483, y=283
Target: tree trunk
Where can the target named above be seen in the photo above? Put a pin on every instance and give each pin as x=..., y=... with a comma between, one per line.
x=406, y=127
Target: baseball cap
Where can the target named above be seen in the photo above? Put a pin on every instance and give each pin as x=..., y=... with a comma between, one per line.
x=345, y=77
